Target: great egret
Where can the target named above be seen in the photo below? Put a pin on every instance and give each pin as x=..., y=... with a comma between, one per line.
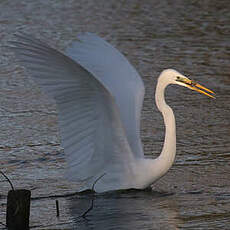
x=99, y=98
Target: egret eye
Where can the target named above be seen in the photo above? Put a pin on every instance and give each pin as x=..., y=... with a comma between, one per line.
x=178, y=78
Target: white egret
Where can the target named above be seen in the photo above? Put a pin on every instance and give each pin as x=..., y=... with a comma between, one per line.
x=99, y=98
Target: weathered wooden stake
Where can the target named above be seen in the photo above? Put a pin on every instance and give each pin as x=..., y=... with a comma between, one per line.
x=18, y=209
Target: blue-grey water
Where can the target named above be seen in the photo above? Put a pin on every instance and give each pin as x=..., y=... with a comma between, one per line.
x=190, y=36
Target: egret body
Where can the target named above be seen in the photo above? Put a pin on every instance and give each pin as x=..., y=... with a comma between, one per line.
x=99, y=98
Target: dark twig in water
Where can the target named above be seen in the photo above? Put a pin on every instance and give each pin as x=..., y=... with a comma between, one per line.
x=55, y=196
x=57, y=208
x=7, y=180
x=12, y=187
x=92, y=202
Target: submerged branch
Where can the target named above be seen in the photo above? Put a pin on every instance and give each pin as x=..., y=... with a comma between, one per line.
x=7, y=180
x=92, y=201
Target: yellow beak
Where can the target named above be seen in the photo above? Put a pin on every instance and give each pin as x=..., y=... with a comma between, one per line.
x=197, y=87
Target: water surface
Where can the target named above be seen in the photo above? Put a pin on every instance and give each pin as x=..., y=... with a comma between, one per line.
x=190, y=36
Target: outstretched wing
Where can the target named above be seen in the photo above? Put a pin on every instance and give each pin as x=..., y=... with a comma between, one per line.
x=114, y=71
x=92, y=133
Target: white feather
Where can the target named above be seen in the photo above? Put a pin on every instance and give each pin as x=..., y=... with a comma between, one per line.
x=115, y=72
x=99, y=96
x=90, y=109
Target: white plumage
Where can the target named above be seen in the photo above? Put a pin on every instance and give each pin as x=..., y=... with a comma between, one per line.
x=114, y=71
x=99, y=97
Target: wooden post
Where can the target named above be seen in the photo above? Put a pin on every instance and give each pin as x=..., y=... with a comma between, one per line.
x=18, y=209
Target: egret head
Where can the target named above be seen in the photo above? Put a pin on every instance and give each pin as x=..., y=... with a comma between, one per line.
x=174, y=77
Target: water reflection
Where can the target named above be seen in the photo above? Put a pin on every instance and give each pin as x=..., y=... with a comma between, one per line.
x=150, y=210
x=126, y=210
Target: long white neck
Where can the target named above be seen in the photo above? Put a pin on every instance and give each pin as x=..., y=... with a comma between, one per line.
x=167, y=156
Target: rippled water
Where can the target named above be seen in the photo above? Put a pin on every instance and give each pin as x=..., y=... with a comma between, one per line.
x=190, y=36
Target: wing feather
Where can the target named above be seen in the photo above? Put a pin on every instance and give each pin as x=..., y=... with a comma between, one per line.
x=92, y=132
x=114, y=71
